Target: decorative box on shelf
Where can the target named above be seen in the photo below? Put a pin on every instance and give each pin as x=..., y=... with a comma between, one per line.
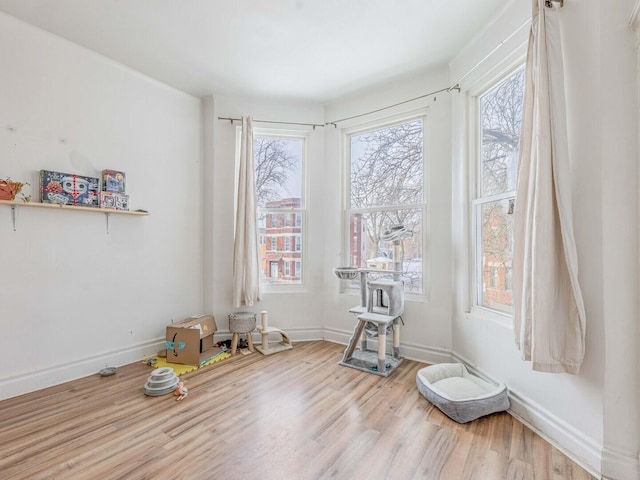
x=113, y=181
x=114, y=201
x=69, y=189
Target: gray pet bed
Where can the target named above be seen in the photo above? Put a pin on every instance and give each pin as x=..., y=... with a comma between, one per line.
x=461, y=396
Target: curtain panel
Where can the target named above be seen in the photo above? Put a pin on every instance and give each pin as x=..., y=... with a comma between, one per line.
x=246, y=253
x=549, y=316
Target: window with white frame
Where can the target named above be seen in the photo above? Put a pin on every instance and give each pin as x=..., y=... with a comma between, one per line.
x=279, y=172
x=385, y=192
x=499, y=123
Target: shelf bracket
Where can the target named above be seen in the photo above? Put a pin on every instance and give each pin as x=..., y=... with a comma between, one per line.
x=108, y=216
x=14, y=214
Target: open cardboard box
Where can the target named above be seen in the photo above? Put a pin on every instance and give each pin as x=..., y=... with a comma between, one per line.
x=190, y=341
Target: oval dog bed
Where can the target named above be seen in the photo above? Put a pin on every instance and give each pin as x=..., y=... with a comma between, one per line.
x=458, y=394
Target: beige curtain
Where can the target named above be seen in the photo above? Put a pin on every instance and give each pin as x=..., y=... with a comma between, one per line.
x=246, y=255
x=549, y=317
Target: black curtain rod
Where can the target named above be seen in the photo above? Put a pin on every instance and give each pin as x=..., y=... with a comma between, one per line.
x=448, y=89
x=314, y=125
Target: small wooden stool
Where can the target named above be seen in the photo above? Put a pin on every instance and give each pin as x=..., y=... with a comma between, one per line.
x=241, y=322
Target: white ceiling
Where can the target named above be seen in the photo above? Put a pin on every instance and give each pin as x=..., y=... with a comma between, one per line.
x=314, y=50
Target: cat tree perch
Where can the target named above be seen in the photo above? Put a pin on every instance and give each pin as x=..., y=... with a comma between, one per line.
x=373, y=310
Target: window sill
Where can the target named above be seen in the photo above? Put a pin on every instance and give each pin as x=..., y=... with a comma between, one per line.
x=277, y=289
x=486, y=315
x=408, y=297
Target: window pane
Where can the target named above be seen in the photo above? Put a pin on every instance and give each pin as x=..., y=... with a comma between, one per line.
x=387, y=166
x=276, y=254
x=278, y=164
x=496, y=256
x=368, y=249
x=279, y=187
x=501, y=119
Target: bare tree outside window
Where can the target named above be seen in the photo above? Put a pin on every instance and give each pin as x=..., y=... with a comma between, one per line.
x=278, y=173
x=275, y=163
x=386, y=190
x=501, y=114
x=500, y=124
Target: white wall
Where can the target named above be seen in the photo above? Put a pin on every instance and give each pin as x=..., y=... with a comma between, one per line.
x=299, y=313
x=426, y=334
x=592, y=416
x=72, y=298
x=320, y=311
x=618, y=155
x=69, y=307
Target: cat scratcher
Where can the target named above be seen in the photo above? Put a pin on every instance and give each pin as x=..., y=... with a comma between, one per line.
x=383, y=317
x=267, y=347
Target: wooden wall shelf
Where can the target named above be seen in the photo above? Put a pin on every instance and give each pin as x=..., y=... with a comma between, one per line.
x=15, y=204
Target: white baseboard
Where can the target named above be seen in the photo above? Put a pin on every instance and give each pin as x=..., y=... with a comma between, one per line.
x=57, y=374
x=306, y=334
x=619, y=465
x=407, y=350
x=585, y=451
x=580, y=448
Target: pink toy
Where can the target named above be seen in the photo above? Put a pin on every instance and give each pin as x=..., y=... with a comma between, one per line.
x=181, y=391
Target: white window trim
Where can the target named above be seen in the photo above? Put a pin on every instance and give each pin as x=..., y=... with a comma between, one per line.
x=303, y=135
x=477, y=311
x=380, y=121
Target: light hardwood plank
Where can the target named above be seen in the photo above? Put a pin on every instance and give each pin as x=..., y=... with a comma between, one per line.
x=296, y=414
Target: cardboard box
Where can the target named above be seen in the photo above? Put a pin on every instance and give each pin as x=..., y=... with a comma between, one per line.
x=114, y=201
x=190, y=341
x=113, y=181
x=69, y=189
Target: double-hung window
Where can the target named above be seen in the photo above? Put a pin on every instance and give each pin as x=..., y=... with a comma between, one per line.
x=279, y=172
x=386, y=196
x=499, y=123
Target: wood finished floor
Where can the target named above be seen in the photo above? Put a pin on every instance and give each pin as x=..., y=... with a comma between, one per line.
x=293, y=415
